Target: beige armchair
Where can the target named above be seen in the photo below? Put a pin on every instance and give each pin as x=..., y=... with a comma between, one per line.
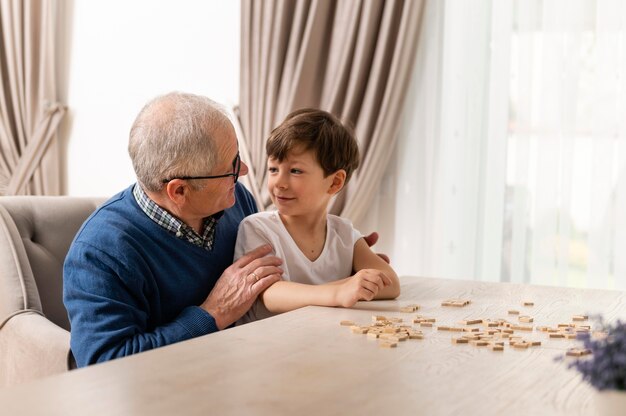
x=35, y=235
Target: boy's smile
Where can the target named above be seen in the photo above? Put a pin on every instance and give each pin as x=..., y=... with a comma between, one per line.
x=283, y=199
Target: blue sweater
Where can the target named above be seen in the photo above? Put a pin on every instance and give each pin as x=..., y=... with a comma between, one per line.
x=129, y=285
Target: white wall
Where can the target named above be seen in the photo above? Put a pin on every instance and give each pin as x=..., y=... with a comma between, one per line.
x=122, y=54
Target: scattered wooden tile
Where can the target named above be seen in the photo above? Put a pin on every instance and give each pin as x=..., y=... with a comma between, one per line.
x=359, y=329
x=389, y=337
x=455, y=302
x=346, y=323
x=577, y=352
x=416, y=335
x=515, y=340
x=522, y=327
x=471, y=329
x=471, y=321
x=403, y=337
x=410, y=308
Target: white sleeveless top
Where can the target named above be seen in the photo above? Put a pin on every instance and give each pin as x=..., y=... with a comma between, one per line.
x=334, y=263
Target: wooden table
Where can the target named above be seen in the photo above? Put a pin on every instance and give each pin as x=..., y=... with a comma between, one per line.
x=304, y=362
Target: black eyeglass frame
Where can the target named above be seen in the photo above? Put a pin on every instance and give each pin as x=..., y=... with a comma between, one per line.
x=234, y=173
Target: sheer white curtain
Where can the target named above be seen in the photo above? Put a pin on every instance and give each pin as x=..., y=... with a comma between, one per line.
x=511, y=161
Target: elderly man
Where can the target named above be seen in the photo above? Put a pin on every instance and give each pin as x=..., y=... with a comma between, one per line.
x=152, y=266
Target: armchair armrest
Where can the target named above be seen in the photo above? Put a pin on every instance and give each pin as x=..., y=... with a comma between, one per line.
x=32, y=347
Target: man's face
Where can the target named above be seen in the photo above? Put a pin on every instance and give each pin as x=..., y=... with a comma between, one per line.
x=219, y=193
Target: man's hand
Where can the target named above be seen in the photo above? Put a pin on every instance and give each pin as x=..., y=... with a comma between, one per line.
x=364, y=285
x=371, y=240
x=240, y=284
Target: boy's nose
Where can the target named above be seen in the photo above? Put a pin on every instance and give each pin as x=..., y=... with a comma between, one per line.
x=281, y=182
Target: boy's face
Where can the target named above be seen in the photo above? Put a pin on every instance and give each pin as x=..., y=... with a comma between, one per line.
x=297, y=185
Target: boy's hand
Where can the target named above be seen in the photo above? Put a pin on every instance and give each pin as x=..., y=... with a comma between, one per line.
x=364, y=285
x=371, y=240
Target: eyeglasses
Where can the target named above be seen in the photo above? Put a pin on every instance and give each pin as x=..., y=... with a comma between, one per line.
x=234, y=174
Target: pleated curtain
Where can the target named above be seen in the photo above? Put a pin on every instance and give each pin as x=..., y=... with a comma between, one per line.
x=349, y=57
x=29, y=110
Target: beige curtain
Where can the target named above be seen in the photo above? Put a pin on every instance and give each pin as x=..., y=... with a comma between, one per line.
x=350, y=57
x=29, y=111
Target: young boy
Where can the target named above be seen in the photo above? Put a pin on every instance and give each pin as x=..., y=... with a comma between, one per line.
x=326, y=262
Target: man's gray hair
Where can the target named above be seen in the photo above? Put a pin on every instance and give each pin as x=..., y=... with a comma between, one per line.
x=174, y=135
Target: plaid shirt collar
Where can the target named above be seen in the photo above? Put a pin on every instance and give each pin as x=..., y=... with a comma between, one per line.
x=173, y=224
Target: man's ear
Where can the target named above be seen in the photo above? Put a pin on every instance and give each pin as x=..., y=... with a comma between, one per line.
x=339, y=179
x=177, y=190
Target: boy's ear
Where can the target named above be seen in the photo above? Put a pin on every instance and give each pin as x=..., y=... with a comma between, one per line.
x=339, y=179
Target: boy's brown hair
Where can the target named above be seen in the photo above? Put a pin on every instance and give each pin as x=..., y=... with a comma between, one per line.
x=333, y=142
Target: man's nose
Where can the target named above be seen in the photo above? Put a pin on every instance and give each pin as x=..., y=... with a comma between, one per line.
x=243, y=170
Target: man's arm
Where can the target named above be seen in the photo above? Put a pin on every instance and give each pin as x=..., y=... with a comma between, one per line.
x=371, y=240
x=110, y=315
x=109, y=307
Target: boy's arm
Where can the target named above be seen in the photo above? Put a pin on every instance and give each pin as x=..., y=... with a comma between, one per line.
x=365, y=258
x=285, y=296
x=374, y=279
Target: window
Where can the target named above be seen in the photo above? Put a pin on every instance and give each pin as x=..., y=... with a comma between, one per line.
x=511, y=164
